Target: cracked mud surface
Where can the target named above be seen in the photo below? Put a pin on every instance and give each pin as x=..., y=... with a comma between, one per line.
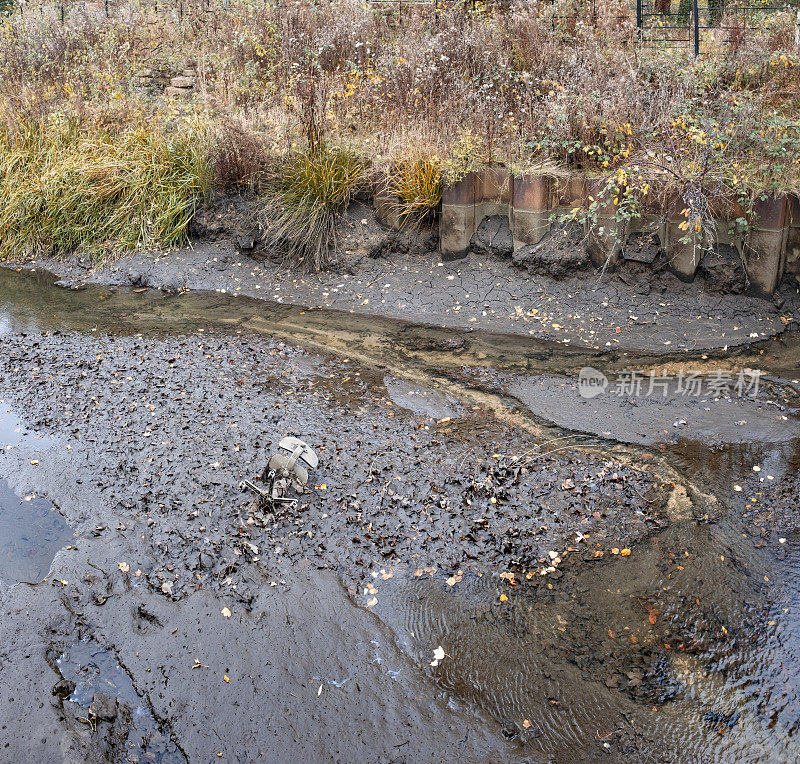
x=474, y=293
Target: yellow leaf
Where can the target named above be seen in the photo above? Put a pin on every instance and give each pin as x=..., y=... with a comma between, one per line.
x=226, y=613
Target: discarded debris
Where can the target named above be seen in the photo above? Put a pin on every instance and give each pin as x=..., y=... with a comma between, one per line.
x=283, y=472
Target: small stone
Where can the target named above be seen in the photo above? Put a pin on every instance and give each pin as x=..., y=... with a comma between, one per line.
x=182, y=82
x=104, y=707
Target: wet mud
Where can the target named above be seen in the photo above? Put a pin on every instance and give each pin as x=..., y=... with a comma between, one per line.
x=103, y=689
x=596, y=591
x=479, y=292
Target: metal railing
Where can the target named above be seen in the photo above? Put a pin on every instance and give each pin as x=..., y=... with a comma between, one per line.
x=660, y=24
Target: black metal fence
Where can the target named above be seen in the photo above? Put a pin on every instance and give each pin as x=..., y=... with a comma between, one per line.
x=687, y=23
x=665, y=23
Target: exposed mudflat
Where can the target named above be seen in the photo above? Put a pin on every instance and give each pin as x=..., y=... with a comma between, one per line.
x=591, y=599
x=667, y=415
x=172, y=426
x=619, y=310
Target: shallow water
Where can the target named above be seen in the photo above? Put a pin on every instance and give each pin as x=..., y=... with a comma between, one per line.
x=95, y=670
x=716, y=677
x=687, y=648
x=31, y=528
x=31, y=532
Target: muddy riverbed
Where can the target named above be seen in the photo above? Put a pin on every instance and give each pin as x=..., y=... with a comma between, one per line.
x=624, y=309
x=487, y=564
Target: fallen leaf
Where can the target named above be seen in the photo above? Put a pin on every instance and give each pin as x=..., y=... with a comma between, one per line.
x=226, y=613
x=225, y=678
x=526, y=724
x=653, y=616
x=124, y=567
x=625, y=552
x=372, y=602
x=438, y=655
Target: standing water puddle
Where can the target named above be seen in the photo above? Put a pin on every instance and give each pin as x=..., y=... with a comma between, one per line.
x=31, y=532
x=95, y=671
x=31, y=528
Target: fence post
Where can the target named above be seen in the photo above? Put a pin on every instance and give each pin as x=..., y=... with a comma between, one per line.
x=696, y=15
x=797, y=32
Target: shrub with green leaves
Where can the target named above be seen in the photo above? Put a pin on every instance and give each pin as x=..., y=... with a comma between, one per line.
x=309, y=191
x=64, y=190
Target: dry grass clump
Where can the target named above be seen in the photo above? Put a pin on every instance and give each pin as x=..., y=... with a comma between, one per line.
x=238, y=157
x=416, y=182
x=309, y=191
x=63, y=190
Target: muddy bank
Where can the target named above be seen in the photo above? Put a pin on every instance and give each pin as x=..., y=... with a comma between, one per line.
x=151, y=439
x=441, y=515
x=479, y=292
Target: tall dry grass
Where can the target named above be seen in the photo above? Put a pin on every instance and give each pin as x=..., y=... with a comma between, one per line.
x=63, y=190
x=526, y=85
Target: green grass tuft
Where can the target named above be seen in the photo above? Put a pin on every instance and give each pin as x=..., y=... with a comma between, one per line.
x=64, y=190
x=416, y=182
